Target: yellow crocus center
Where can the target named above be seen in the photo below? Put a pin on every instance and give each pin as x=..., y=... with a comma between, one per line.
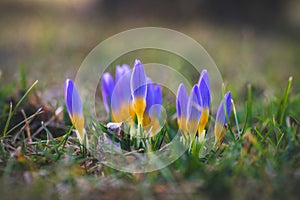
x=203, y=121
x=146, y=119
x=219, y=134
x=123, y=114
x=139, y=106
x=182, y=125
x=156, y=126
x=78, y=122
x=192, y=128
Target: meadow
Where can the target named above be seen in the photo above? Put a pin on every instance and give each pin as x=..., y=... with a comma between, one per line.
x=41, y=156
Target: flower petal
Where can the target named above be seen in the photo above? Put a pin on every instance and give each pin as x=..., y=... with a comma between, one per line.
x=181, y=101
x=121, y=71
x=138, y=82
x=221, y=115
x=108, y=85
x=150, y=95
x=221, y=120
x=68, y=97
x=74, y=107
x=157, y=94
x=193, y=110
x=204, y=76
x=72, y=98
x=121, y=98
x=204, y=89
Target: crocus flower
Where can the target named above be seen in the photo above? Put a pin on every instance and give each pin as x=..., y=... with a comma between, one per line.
x=221, y=121
x=181, y=107
x=74, y=107
x=138, y=86
x=131, y=95
x=116, y=94
x=193, y=111
x=153, y=111
x=156, y=113
x=108, y=85
x=121, y=97
x=205, y=97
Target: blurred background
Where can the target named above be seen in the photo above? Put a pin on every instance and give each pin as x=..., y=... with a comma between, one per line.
x=250, y=41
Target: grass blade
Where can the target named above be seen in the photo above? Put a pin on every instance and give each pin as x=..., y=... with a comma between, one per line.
x=248, y=122
x=12, y=112
x=283, y=102
x=23, y=77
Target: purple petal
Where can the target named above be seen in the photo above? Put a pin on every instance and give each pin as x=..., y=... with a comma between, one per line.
x=194, y=105
x=138, y=82
x=121, y=71
x=68, y=90
x=204, y=76
x=122, y=93
x=228, y=103
x=221, y=116
x=204, y=92
x=72, y=98
x=157, y=95
x=150, y=95
x=181, y=101
x=108, y=85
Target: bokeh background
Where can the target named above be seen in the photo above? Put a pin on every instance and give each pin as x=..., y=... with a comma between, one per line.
x=253, y=42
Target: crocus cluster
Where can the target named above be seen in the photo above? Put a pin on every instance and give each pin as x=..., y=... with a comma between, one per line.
x=131, y=95
x=193, y=110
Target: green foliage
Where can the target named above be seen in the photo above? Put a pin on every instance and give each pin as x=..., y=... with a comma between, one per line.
x=261, y=160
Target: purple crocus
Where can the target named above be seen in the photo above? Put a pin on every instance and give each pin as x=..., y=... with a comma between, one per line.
x=221, y=120
x=181, y=107
x=193, y=111
x=121, y=96
x=74, y=107
x=152, y=115
x=204, y=90
x=108, y=85
x=131, y=94
x=138, y=86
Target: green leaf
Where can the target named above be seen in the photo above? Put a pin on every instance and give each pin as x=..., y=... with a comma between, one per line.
x=283, y=103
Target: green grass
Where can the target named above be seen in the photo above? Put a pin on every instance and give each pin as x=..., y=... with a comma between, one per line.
x=260, y=158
